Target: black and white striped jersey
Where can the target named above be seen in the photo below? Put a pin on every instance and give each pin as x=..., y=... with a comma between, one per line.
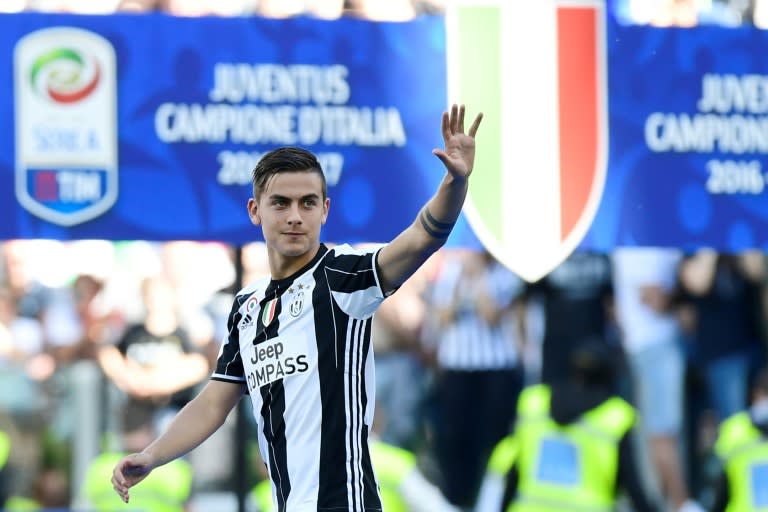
x=302, y=347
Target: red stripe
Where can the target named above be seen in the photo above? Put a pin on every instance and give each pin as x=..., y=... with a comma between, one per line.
x=578, y=83
x=75, y=96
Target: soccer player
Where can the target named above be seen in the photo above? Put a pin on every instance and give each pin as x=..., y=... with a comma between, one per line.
x=299, y=340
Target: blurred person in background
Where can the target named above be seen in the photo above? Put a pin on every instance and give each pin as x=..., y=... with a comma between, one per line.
x=88, y=325
x=20, y=273
x=376, y=10
x=760, y=13
x=725, y=293
x=723, y=296
x=154, y=362
x=742, y=449
x=24, y=400
x=577, y=303
x=326, y=9
x=574, y=448
x=476, y=337
x=193, y=292
x=645, y=289
x=683, y=13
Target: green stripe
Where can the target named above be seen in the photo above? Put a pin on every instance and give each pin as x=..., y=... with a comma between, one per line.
x=479, y=76
x=46, y=58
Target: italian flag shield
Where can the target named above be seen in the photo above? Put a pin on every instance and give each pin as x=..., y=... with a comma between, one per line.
x=537, y=70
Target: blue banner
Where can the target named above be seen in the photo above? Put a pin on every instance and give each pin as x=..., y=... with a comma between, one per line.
x=148, y=126
x=688, y=131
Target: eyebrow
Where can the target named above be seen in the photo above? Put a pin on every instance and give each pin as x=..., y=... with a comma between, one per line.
x=285, y=198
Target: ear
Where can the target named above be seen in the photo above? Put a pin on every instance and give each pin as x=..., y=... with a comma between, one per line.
x=253, y=211
x=326, y=208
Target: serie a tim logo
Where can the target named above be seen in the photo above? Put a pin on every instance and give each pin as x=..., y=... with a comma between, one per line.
x=66, y=134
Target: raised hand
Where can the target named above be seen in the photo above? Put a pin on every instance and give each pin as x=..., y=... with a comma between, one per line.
x=459, y=153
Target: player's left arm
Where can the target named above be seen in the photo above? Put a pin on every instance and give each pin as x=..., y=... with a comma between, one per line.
x=399, y=259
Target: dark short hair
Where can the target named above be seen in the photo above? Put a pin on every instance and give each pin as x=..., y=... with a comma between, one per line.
x=285, y=159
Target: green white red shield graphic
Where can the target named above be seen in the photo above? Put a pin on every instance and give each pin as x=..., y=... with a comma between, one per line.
x=537, y=71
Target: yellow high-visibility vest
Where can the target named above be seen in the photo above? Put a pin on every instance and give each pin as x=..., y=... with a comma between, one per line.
x=5, y=448
x=744, y=452
x=568, y=467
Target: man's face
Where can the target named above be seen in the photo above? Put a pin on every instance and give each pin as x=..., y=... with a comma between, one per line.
x=291, y=211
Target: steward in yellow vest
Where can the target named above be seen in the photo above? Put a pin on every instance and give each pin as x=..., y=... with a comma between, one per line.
x=573, y=442
x=742, y=447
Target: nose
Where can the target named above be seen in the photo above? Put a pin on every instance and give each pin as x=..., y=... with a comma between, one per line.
x=294, y=215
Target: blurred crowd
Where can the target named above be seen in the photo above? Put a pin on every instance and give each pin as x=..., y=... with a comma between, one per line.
x=94, y=332
x=377, y=10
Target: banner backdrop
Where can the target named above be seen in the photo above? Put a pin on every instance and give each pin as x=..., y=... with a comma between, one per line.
x=688, y=130
x=148, y=126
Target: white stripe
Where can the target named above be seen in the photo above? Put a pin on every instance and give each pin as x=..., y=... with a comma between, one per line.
x=228, y=377
x=348, y=412
x=359, y=409
x=531, y=137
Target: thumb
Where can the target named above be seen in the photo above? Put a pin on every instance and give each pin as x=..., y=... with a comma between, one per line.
x=439, y=153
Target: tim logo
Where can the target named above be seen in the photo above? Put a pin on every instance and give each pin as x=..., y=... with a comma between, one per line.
x=66, y=135
x=540, y=176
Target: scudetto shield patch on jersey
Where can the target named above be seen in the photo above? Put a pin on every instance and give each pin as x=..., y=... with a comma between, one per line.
x=65, y=91
x=268, y=312
x=541, y=164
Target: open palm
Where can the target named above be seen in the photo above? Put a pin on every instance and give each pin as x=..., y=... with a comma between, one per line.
x=459, y=153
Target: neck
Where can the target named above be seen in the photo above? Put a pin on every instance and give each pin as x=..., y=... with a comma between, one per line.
x=281, y=266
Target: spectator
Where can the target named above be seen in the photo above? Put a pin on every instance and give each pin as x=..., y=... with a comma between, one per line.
x=725, y=292
x=645, y=280
x=378, y=10
x=577, y=302
x=476, y=339
x=31, y=296
x=154, y=363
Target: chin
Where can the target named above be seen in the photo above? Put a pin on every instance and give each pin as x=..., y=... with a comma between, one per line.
x=293, y=251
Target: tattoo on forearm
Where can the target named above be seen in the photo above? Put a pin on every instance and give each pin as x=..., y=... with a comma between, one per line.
x=433, y=227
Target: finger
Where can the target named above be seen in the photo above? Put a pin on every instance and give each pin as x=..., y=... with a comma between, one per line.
x=475, y=125
x=454, y=118
x=460, y=123
x=445, y=127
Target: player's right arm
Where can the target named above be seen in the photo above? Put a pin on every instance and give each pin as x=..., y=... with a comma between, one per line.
x=200, y=418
